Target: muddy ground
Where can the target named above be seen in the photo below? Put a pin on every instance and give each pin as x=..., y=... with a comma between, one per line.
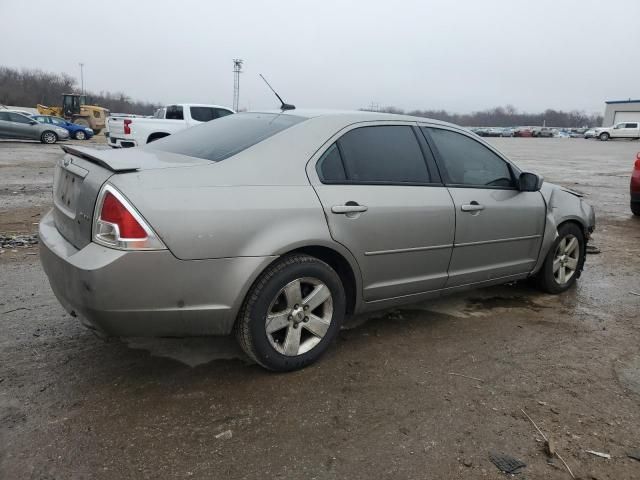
x=383, y=403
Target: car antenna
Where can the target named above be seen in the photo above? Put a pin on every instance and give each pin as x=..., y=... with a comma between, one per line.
x=283, y=106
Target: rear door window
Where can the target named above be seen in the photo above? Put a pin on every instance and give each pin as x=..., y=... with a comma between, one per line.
x=632, y=125
x=222, y=112
x=385, y=154
x=203, y=114
x=174, y=112
x=469, y=163
x=16, y=117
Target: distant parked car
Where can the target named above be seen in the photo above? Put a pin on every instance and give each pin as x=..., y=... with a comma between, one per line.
x=489, y=132
x=591, y=133
x=635, y=187
x=562, y=134
x=23, y=127
x=544, y=132
x=507, y=132
x=132, y=132
x=629, y=130
x=76, y=131
x=523, y=132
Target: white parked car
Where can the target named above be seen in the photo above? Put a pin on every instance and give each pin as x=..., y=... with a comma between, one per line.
x=619, y=130
x=131, y=131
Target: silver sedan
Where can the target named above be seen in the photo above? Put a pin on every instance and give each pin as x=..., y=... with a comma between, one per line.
x=278, y=225
x=16, y=125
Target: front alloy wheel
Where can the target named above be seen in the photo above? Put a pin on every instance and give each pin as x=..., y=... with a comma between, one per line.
x=291, y=313
x=49, y=137
x=564, y=260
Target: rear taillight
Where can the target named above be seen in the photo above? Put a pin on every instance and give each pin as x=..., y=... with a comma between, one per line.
x=637, y=164
x=127, y=128
x=118, y=225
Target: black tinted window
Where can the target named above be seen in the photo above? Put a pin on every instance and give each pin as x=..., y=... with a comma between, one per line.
x=330, y=166
x=4, y=116
x=468, y=162
x=222, y=112
x=18, y=118
x=203, y=114
x=387, y=154
x=632, y=125
x=226, y=136
x=174, y=112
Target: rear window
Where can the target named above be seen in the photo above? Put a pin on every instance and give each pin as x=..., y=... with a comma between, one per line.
x=226, y=136
x=203, y=114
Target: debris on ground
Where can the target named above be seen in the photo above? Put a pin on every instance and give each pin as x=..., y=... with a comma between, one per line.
x=599, y=454
x=466, y=376
x=13, y=241
x=592, y=249
x=226, y=435
x=506, y=463
x=635, y=454
x=635, y=293
x=549, y=444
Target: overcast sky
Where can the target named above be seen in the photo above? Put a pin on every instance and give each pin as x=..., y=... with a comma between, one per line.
x=455, y=55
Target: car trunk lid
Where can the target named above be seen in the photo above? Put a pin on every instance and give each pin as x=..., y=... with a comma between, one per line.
x=81, y=173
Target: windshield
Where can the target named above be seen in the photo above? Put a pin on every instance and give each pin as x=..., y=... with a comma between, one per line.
x=225, y=137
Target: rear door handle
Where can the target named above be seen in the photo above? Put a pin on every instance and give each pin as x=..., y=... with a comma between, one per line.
x=472, y=207
x=343, y=209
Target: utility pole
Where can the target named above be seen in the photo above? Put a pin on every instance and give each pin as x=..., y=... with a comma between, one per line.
x=237, y=70
x=82, y=77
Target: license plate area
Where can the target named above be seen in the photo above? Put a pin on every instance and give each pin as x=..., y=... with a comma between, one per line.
x=67, y=185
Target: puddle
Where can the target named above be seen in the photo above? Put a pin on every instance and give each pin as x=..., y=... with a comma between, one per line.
x=190, y=351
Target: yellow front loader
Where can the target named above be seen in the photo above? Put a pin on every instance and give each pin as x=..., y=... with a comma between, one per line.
x=74, y=110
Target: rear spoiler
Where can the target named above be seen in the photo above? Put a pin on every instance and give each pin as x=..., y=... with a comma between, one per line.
x=104, y=158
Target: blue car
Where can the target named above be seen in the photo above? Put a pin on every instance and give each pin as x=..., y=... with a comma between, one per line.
x=78, y=132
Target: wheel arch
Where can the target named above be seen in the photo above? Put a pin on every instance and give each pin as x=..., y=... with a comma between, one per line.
x=157, y=136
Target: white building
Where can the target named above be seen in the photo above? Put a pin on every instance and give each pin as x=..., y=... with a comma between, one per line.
x=621, y=111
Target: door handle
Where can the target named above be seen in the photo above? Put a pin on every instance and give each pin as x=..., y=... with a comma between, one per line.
x=472, y=207
x=350, y=207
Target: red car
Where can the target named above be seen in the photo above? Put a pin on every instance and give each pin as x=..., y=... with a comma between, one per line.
x=635, y=187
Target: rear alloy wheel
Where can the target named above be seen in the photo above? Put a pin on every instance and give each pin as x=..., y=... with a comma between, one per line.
x=564, y=261
x=80, y=135
x=292, y=313
x=49, y=137
x=604, y=136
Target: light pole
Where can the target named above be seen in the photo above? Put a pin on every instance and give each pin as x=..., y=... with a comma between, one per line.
x=82, y=77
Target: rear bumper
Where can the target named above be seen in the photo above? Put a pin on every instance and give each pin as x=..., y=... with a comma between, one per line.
x=148, y=294
x=116, y=142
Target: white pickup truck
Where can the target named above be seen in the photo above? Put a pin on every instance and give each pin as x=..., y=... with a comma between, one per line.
x=134, y=131
x=619, y=130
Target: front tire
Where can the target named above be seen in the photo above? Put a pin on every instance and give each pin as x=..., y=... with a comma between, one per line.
x=291, y=314
x=48, y=137
x=80, y=135
x=564, y=260
x=604, y=136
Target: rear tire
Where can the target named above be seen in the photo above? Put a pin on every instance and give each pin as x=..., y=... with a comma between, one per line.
x=564, y=260
x=635, y=208
x=291, y=314
x=604, y=136
x=49, y=137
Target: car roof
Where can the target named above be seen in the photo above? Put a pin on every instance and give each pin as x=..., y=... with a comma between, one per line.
x=353, y=116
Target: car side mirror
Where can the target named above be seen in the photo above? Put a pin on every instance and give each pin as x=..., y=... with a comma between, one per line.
x=530, y=182
x=33, y=122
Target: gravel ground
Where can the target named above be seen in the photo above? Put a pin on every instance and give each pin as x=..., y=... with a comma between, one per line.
x=383, y=403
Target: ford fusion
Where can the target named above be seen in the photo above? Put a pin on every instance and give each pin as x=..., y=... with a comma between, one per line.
x=278, y=225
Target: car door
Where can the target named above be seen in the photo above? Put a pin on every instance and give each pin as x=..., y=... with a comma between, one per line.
x=384, y=201
x=22, y=127
x=498, y=228
x=630, y=130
